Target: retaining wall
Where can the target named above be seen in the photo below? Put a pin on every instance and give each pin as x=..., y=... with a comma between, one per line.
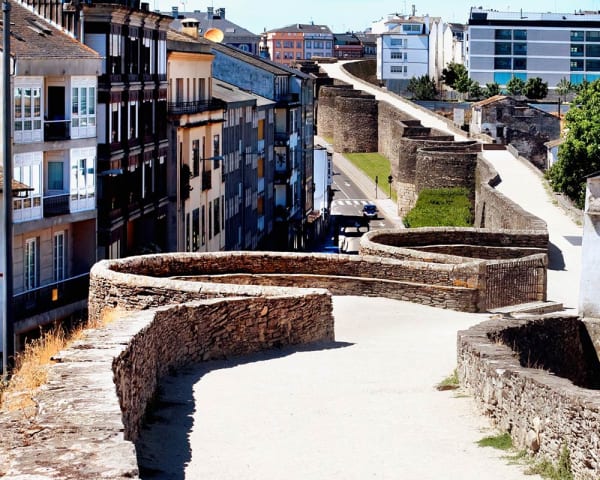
x=355, y=128
x=504, y=363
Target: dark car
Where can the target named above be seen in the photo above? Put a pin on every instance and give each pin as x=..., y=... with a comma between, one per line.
x=370, y=210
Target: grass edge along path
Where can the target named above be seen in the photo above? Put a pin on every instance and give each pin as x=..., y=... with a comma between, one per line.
x=373, y=165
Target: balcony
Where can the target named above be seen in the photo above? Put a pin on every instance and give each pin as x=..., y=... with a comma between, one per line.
x=56, y=205
x=198, y=106
x=51, y=296
x=57, y=130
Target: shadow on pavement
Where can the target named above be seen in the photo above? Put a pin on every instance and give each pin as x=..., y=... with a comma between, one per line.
x=163, y=448
x=556, y=260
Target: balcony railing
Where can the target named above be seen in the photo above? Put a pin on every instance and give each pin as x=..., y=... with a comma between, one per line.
x=57, y=130
x=56, y=205
x=51, y=296
x=180, y=108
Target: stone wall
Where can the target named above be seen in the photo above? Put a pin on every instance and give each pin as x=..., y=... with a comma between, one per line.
x=355, y=128
x=503, y=364
x=518, y=277
x=407, y=168
x=326, y=114
x=493, y=210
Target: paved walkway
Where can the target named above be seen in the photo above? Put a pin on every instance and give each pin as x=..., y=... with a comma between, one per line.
x=361, y=407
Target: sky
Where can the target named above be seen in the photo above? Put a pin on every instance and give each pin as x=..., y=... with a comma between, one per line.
x=356, y=15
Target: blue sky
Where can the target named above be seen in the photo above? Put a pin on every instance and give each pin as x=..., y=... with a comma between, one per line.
x=344, y=15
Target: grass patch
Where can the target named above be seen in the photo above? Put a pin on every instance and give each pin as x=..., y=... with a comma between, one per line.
x=374, y=165
x=449, y=383
x=501, y=442
x=33, y=363
x=441, y=207
x=559, y=471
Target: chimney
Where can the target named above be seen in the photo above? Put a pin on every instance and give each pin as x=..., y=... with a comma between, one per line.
x=209, y=13
x=221, y=13
x=189, y=26
x=174, y=12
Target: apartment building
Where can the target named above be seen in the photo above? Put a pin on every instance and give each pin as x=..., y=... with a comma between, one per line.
x=292, y=92
x=347, y=45
x=403, y=51
x=299, y=42
x=196, y=178
x=552, y=46
x=248, y=167
x=54, y=153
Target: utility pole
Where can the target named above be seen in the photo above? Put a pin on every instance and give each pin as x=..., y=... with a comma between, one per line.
x=7, y=310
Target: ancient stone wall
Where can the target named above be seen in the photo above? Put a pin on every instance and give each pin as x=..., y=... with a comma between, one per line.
x=503, y=364
x=446, y=167
x=355, y=128
x=326, y=113
x=406, y=168
x=493, y=210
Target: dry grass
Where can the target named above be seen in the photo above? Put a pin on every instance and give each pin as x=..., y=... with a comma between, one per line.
x=33, y=363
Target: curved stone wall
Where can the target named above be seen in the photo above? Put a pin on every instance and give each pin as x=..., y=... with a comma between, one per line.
x=406, y=185
x=503, y=364
x=355, y=128
x=512, y=268
x=326, y=114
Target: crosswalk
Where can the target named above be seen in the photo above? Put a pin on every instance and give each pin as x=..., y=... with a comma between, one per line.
x=348, y=206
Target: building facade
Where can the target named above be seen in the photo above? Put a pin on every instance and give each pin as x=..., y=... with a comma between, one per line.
x=196, y=180
x=53, y=133
x=299, y=42
x=552, y=46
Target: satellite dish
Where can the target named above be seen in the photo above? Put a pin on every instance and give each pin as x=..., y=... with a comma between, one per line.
x=214, y=35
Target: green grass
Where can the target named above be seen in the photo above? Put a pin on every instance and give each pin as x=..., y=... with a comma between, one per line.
x=501, y=442
x=441, y=207
x=374, y=165
x=560, y=471
x=449, y=383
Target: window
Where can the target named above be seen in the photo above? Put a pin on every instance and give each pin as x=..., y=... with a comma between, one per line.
x=592, y=65
x=593, y=36
x=195, y=233
x=115, y=123
x=520, y=64
x=278, y=43
x=519, y=49
x=203, y=225
x=27, y=113
x=28, y=170
x=30, y=264
x=577, y=50
x=396, y=54
x=216, y=150
x=592, y=50
x=411, y=28
x=58, y=256
x=133, y=120
x=576, y=65
x=503, y=48
x=503, y=34
x=179, y=90
x=83, y=107
x=195, y=158
x=502, y=63
x=83, y=179
x=116, y=52
x=577, y=35
x=298, y=44
x=520, y=34
x=288, y=44
x=398, y=69
x=308, y=43
x=217, y=215
x=202, y=88
x=209, y=222
x=56, y=176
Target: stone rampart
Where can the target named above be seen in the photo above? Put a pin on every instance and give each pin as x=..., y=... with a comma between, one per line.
x=355, y=128
x=326, y=116
x=524, y=375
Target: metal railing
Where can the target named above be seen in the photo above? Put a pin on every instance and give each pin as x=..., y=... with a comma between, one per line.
x=179, y=108
x=57, y=130
x=51, y=296
x=56, y=205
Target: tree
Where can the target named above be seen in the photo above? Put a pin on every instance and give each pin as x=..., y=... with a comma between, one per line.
x=563, y=88
x=579, y=155
x=515, y=86
x=535, y=89
x=491, y=89
x=463, y=84
x=453, y=72
x=422, y=88
x=475, y=91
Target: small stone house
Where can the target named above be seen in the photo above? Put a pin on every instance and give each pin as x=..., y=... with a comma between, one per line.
x=514, y=122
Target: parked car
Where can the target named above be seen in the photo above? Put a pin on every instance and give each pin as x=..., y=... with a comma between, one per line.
x=369, y=210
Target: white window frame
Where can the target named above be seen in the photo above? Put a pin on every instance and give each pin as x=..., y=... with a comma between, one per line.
x=30, y=264
x=27, y=113
x=82, y=179
x=28, y=170
x=58, y=256
x=83, y=115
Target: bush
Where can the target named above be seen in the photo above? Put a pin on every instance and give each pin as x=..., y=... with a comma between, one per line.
x=443, y=207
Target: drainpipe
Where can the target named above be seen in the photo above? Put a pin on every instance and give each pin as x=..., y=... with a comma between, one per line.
x=8, y=346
